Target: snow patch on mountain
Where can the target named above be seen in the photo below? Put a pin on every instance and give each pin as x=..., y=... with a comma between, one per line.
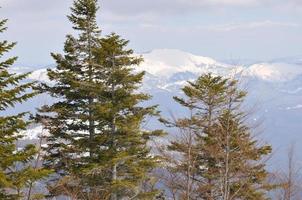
x=34, y=132
x=39, y=75
x=299, y=106
x=274, y=71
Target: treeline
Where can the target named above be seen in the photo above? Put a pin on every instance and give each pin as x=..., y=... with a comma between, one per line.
x=96, y=148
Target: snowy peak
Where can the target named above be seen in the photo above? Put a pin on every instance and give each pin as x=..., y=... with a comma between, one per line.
x=177, y=57
x=280, y=72
x=166, y=62
x=40, y=75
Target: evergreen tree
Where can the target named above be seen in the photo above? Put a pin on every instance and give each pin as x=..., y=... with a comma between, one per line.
x=96, y=143
x=16, y=172
x=227, y=159
x=121, y=116
x=75, y=88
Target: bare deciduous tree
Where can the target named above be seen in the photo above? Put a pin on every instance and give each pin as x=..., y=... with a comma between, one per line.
x=289, y=180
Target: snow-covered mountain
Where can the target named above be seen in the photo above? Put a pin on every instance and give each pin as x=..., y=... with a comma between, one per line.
x=173, y=66
x=275, y=88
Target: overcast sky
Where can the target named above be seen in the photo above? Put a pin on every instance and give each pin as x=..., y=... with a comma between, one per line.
x=222, y=29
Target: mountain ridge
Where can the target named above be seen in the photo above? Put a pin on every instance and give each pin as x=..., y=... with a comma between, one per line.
x=165, y=63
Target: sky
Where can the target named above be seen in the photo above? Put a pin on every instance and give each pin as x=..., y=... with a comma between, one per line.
x=221, y=29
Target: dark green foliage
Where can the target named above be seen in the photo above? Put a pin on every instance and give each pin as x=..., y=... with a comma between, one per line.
x=16, y=172
x=96, y=142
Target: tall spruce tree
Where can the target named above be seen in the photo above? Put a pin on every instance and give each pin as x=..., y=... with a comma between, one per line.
x=16, y=172
x=121, y=117
x=227, y=159
x=96, y=144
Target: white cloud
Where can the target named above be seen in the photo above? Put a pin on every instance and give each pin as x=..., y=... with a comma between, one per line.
x=174, y=6
x=224, y=2
x=242, y=26
x=252, y=25
x=121, y=10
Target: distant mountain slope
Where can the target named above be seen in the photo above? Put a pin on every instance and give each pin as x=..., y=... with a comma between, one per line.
x=166, y=63
x=275, y=89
